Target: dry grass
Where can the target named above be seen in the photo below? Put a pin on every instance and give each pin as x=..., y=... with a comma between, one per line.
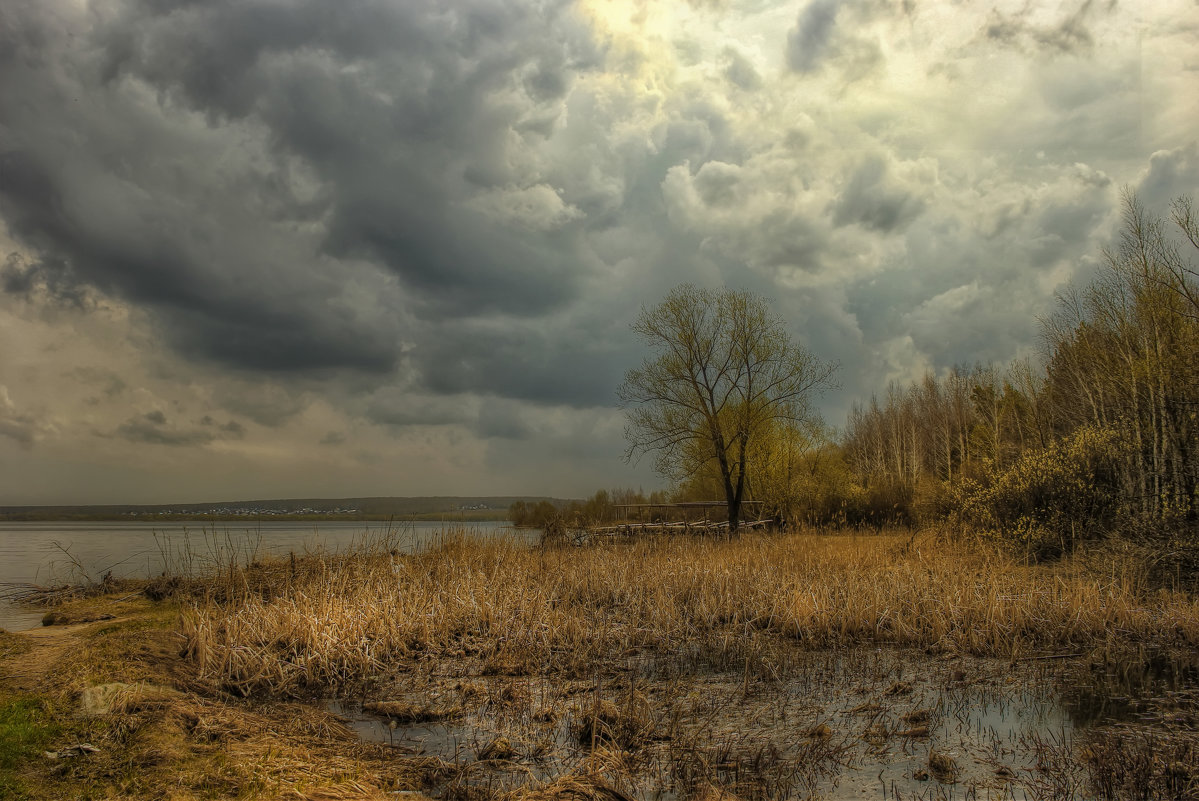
x=158, y=734
x=12, y=644
x=668, y=643
x=332, y=623
x=713, y=670
x=570, y=788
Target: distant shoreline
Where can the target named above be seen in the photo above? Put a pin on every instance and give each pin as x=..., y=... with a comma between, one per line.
x=442, y=508
x=479, y=516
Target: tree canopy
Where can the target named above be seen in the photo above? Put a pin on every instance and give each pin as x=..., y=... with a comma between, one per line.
x=1101, y=437
x=724, y=372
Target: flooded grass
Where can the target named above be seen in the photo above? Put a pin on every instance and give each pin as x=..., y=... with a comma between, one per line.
x=763, y=668
x=859, y=723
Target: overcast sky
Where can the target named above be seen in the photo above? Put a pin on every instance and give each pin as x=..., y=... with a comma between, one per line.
x=264, y=248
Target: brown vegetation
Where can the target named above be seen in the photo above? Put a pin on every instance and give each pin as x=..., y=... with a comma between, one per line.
x=108, y=710
x=569, y=610
x=744, y=668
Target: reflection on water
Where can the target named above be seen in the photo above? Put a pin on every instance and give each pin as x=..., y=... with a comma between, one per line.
x=51, y=553
x=850, y=724
x=450, y=741
x=1129, y=687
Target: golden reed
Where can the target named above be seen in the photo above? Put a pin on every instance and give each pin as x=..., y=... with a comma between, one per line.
x=350, y=617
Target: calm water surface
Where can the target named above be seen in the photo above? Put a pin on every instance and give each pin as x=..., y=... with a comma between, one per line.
x=51, y=553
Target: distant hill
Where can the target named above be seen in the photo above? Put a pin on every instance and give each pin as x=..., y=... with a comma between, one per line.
x=489, y=507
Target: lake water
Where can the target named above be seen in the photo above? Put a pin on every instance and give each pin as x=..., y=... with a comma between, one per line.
x=53, y=553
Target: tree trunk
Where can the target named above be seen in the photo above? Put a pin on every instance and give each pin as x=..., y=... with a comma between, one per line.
x=738, y=493
x=734, y=501
x=732, y=496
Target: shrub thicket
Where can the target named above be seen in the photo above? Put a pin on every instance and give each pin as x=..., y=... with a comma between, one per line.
x=1048, y=500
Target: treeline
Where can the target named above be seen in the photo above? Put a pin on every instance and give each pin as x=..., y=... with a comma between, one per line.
x=490, y=507
x=1098, y=436
x=603, y=507
x=1102, y=438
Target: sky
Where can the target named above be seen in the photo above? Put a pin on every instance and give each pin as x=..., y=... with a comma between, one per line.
x=297, y=248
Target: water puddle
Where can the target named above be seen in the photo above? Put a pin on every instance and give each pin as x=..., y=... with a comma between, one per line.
x=444, y=740
x=863, y=723
x=1130, y=688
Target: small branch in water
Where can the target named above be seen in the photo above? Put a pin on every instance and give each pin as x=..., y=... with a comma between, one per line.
x=1045, y=657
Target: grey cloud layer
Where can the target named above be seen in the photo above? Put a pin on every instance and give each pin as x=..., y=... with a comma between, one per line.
x=23, y=427
x=461, y=205
x=278, y=181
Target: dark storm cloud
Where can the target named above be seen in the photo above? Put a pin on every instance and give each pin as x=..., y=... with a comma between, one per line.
x=740, y=72
x=1070, y=35
x=870, y=200
x=581, y=369
x=152, y=429
x=253, y=170
x=216, y=299
x=391, y=105
x=808, y=42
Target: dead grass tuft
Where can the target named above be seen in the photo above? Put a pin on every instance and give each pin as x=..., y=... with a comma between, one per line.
x=917, y=717
x=819, y=732
x=498, y=749
x=571, y=788
x=943, y=767
x=405, y=713
x=604, y=723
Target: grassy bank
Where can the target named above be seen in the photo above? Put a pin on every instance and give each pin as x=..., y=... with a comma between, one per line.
x=569, y=610
x=107, y=709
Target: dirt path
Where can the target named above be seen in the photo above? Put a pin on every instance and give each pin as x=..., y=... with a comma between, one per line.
x=26, y=671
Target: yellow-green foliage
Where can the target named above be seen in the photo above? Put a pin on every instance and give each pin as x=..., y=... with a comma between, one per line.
x=1048, y=499
x=572, y=609
x=802, y=477
x=536, y=515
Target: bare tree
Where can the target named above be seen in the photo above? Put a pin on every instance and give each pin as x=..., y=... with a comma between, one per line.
x=723, y=370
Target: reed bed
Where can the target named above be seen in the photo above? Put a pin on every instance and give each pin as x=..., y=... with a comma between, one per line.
x=337, y=621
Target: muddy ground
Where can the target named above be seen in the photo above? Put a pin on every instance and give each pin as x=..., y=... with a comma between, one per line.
x=104, y=706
